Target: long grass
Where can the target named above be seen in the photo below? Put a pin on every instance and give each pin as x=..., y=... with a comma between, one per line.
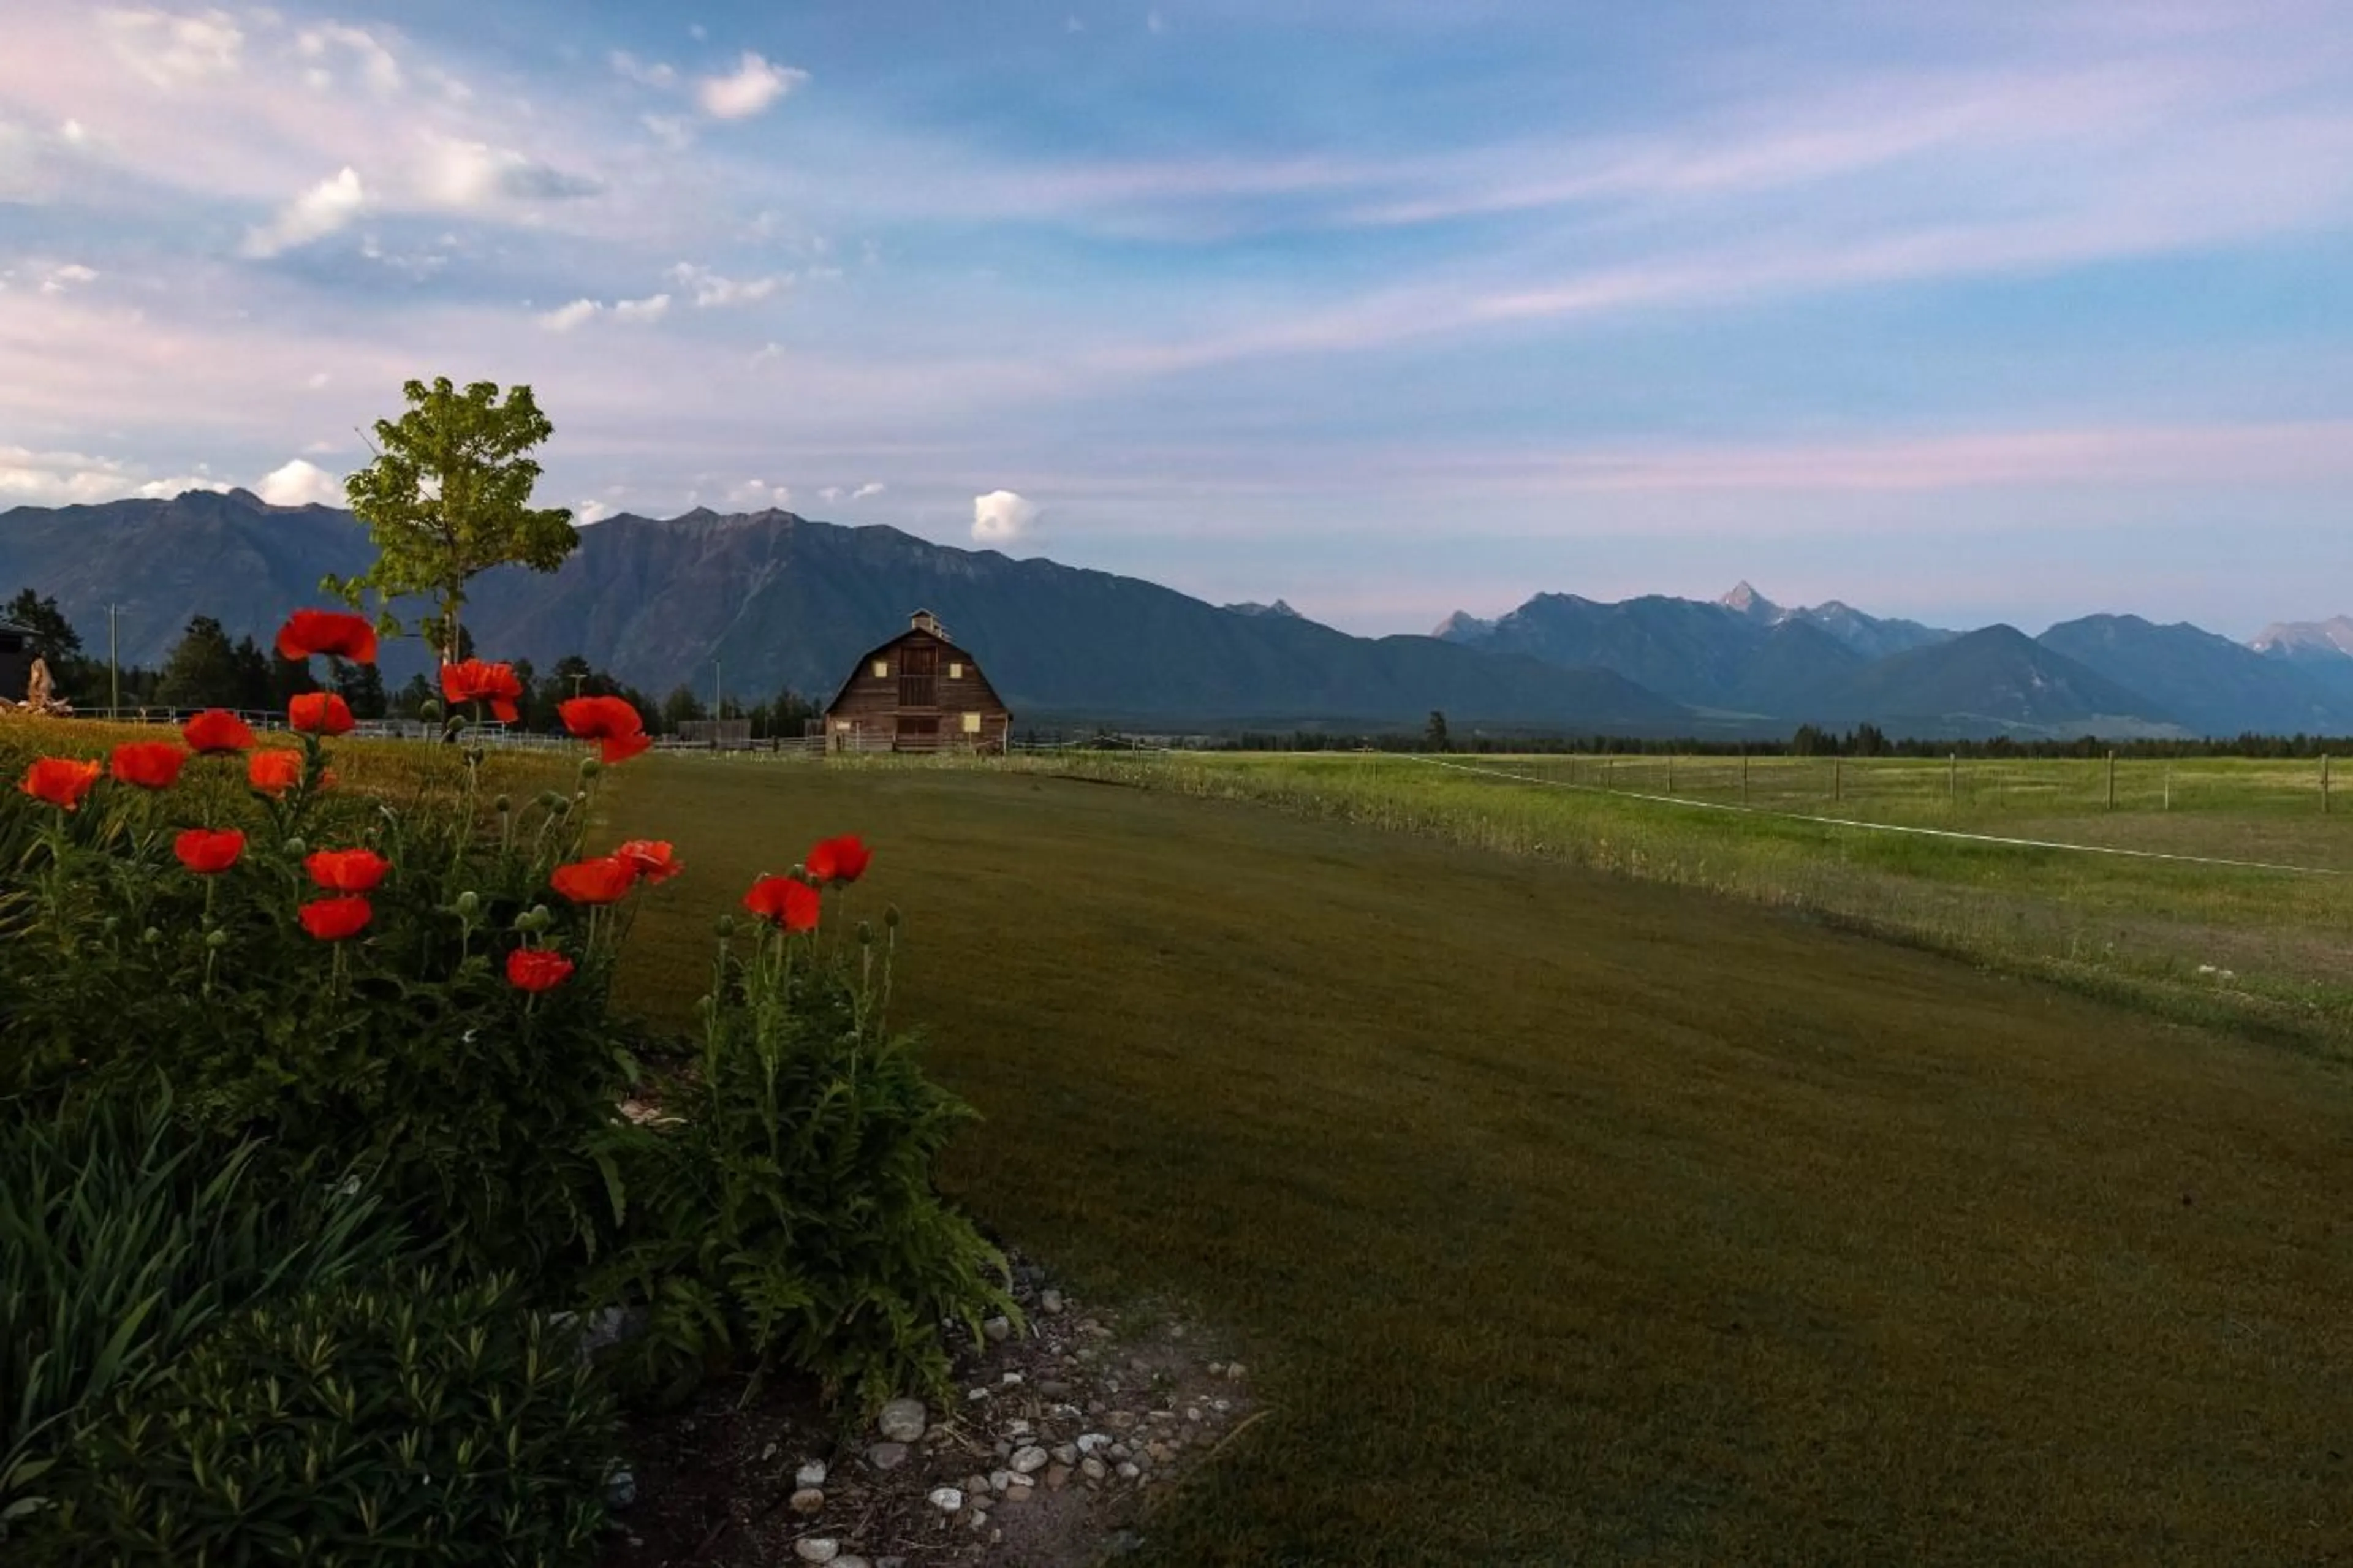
x=1575, y=1219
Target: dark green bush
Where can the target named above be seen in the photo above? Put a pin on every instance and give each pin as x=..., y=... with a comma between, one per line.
x=789, y=1215
x=411, y=1421
x=123, y=1237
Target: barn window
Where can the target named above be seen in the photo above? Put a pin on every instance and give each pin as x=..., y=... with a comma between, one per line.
x=881, y=670
x=972, y=724
x=841, y=724
x=956, y=672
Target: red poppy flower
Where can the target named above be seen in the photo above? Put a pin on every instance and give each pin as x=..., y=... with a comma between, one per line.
x=477, y=680
x=599, y=881
x=319, y=713
x=535, y=969
x=651, y=859
x=791, y=903
x=838, y=860
x=217, y=730
x=335, y=632
x=150, y=765
x=274, y=773
x=60, y=781
x=333, y=920
x=207, y=852
x=346, y=870
x=608, y=719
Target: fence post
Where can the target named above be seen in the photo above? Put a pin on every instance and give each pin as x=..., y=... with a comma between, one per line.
x=2324, y=784
x=1837, y=778
x=1671, y=771
x=2168, y=786
x=2111, y=781
x=1953, y=776
x=1744, y=775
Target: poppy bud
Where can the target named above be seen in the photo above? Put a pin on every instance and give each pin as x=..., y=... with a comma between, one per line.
x=469, y=903
x=891, y=916
x=474, y=755
x=865, y=933
x=551, y=800
x=704, y=1003
x=724, y=926
x=502, y=805
x=216, y=939
x=296, y=848
x=541, y=916
x=590, y=767
x=428, y=710
x=799, y=873
x=150, y=936
x=113, y=925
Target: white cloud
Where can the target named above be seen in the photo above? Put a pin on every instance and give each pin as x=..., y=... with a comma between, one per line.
x=69, y=479
x=644, y=312
x=1001, y=517
x=563, y=318
x=709, y=288
x=300, y=483
x=73, y=133
x=839, y=492
x=753, y=86
x=868, y=488
x=758, y=495
x=315, y=214
x=170, y=50
x=589, y=512
x=376, y=65
x=473, y=174
x=768, y=352
x=644, y=73
x=671, y=130
x=70, y=275
x=318, y=379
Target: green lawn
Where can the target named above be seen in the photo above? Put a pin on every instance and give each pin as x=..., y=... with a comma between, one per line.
x=1577, y=1218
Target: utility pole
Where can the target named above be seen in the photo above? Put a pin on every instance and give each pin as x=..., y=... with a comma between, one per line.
x=114, y=668
x=714, y=694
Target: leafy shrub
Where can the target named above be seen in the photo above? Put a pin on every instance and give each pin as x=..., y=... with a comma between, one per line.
x=409, y=1420
x=121, y=1239
x=788, y=1215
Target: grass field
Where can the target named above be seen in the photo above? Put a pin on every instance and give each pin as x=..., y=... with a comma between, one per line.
x=1573, y=1217
x=2258, y=949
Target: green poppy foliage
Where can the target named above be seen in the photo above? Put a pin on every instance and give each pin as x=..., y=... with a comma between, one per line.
x=448, y=496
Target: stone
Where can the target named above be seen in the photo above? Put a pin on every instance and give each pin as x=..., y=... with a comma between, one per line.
x=1051, y=1300
x=770, y=1452
x=620, y=1489
x=1090, y=1442
x=887, y=1456
x=1119, y=1451
x=1234, y=1371
x=850, y=1560
x=1120, y=1420
x=999, y=1481
x=818, y=1549
x=1018, y=1426
x=999, y=1329
x=1054, y=1388
x=903, y=1420
x=976, y=1487
x=808, y=1500
x=1128, y=1471
x=1056, y=1477
x=811, y=1474
x=1091, y=1468
x=947, y=1499
x=1217, y=1368
x=1029, y=1461
x=1065, y=1455
x=1011, y=1378
x=1192, y=1412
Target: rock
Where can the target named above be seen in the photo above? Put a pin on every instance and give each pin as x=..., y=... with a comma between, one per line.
x=1018, y=1427
x=1119, y=1451
x=1234, y=1371
x=850, y=1560
x=1120, y=1420
x=1090, y=1442
x=1065, y=1455
x=1051, y=1300
x=1056, y=1477
x=1091, y=1468
x=808, y=1500
x=999, y=1480
x=975, y=1395
x=1029, y=1461
x=887, y=1456
x=770, y=1452
x=999, y=1329
x=620, y=1489
x=1192, y=1412
x=1004, y=1450
x=818, y=1549
x=811, y=1474
x=1128, y=1471
x=1054, y=1388
x=903, y=1420
x=1217, y=1368
x=947, y=1499
x=1010, y=1378
x=976, y=1489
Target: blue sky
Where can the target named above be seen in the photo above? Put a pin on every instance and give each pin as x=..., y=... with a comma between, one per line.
x=1388, y=308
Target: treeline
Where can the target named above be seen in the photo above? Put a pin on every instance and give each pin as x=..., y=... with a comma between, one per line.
x=207, y=669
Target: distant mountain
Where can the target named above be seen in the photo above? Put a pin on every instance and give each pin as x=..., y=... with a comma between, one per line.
x=775, y=599
x=2317, y=642
x=2208, y=683
x=1997, y=681
x=1462, y=627
x=1869, y=635
x=1253, y=608
x=1792, y=671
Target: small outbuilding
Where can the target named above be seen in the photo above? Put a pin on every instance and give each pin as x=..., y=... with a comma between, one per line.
x=918, y=692
x=15, y=661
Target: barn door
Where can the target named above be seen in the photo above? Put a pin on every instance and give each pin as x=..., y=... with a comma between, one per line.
x=919, y=677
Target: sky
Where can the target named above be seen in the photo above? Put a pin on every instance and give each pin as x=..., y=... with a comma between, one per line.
x=1388, y=308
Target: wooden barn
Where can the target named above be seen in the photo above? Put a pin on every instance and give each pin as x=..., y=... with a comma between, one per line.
x=918, y=692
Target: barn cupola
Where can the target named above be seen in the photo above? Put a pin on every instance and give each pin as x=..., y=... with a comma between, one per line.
x=925, y=621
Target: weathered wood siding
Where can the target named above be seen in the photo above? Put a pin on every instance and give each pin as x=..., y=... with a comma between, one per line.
x=884, y=699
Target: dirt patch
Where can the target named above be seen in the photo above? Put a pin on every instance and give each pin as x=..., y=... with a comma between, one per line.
x=1067, y=1432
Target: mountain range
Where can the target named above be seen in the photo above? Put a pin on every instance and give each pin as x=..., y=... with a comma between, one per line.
x=776, y=599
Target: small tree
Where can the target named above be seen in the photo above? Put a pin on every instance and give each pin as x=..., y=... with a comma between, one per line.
x=202, y=671
x=448, y=496
x=1435, y=735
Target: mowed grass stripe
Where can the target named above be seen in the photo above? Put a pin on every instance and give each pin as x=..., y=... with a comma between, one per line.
x=1577, y=1219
